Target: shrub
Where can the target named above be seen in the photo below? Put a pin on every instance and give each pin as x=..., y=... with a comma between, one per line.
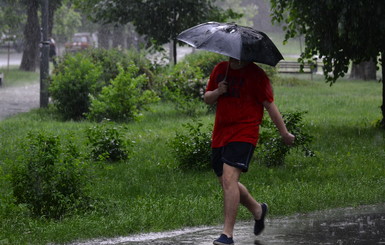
x=74, y=80
x=272, y=151
x=86, y=73
x=192, y=149
x=184, y=85
x=50, y=177
x=145, y=65
x=123, y=99
x=205, y=60
x=112, y=60
x=107, y=142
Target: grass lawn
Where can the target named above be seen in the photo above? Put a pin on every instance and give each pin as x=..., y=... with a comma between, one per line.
x=15, y=77
x=148, y=193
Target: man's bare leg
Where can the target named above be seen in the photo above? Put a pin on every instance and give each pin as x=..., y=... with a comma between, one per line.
x=249, y=202
x=231, y=192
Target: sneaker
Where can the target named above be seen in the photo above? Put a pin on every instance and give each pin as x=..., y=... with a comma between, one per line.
x=224, y=240
x=260, y=224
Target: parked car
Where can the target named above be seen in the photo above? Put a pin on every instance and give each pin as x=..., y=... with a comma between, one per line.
x=80, y=41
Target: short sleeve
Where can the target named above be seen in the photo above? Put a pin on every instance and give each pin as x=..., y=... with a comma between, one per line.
x=264, y=89
x=211, y=85
x=215, y=74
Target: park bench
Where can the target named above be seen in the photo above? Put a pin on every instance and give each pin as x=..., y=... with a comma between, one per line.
x=295, y=67
x=1, y=78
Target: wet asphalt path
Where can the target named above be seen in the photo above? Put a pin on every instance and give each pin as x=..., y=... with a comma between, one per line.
x=363, y=225
x=14, y=100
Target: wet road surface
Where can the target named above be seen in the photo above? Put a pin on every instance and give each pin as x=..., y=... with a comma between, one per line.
x=362, y=225
x=14, y=100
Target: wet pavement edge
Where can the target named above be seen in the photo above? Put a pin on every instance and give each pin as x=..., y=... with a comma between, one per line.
x=342, y=226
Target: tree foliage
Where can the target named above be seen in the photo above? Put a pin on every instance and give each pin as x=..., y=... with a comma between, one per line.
x=337, y=31
x=12, y=18
x=66, y=20
x=161, y=20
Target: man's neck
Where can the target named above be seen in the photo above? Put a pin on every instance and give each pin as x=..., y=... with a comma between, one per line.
x=238, y=64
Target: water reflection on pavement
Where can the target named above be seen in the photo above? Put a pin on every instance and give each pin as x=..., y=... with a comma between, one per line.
x=362, y=225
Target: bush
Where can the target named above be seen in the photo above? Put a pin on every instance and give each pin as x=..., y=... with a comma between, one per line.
x=86, y=73
x=193, y=149
x=184, y=85
x=111, y=61
x=50, y=177
x=75, y=79
x=123, y=99
x=205, y=60
x=107, y=143
x=272, y=151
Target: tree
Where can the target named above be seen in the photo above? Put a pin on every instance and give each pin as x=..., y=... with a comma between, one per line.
x=12, y=18
x=53, y=5
x=159, y=20
x=66, y=20
x=32, y=33
x=338, y=31
x=29, y=60
x=365, y=70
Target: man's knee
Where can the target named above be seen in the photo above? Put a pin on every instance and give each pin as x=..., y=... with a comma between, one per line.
x=230, y=176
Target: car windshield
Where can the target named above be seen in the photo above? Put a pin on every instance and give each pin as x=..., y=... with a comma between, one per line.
x=80, y=39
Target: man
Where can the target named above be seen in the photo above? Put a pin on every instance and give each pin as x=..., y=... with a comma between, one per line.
x=241, y=91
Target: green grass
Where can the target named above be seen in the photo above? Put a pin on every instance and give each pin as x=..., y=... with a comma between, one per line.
x=15, y=77
x=147, y=193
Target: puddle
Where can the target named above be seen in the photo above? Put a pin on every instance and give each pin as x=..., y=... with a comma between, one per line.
x=362, y=225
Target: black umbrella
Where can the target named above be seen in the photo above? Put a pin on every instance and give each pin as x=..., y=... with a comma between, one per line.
x=240, y=42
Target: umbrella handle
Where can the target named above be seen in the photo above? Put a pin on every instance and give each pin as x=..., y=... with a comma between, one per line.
x=227, y=71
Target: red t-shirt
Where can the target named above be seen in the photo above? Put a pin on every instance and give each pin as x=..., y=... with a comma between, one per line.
x=239, y=111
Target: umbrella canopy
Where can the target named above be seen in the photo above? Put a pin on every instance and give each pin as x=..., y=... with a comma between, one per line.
x=240, y=42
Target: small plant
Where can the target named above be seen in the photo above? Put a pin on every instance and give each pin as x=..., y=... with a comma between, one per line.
x=123, y=99
x=107, y=142
x=50, y=177
x=75, y=79
x=192, y=149
x=272, y=151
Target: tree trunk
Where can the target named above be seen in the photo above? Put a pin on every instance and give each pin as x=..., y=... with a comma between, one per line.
x=174, y=41
x=364, y=71
x=30, y=57
x=53, y=5
x=51, y=13
x=118, y=37
x=382, y=123
x=104, y=37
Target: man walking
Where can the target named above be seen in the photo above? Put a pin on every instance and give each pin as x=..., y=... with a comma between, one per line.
x=241, y=91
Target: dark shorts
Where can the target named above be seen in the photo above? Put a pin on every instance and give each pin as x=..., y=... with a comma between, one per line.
x=235, y=154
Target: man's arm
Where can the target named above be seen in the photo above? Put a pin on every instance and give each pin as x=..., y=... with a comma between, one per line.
x=211, y=97
x=276, y=117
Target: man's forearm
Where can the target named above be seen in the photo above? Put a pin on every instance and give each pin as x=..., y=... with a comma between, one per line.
x=276, y=117
x=211, y=97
